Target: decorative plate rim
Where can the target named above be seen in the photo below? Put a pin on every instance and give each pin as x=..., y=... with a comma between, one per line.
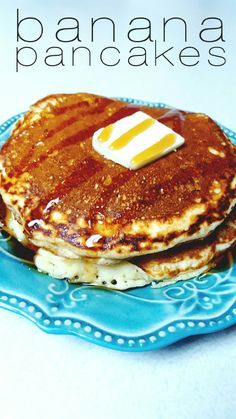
x=170, y=333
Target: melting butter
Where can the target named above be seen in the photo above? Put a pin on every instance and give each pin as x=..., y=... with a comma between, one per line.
x=136, y=140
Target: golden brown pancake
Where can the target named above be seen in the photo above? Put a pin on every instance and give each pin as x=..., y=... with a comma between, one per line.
x=72, y=201
x=190, y=259
x=183, y=262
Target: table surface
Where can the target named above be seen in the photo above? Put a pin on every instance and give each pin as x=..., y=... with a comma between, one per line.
x=48, y=376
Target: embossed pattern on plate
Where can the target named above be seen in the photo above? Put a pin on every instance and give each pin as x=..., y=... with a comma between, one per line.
x=136, y=320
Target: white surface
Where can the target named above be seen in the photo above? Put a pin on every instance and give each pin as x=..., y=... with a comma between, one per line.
x=47, y=376
x=201, y=88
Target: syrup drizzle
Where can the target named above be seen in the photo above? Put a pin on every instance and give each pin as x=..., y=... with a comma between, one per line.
x=154, y=151
x=82, y=173
x=89, y=166
x=79, y=136
x=106, y=133
x=83, y=103
x=106, y=194
x=25, y=163
x=128, y=136
x=176, y=117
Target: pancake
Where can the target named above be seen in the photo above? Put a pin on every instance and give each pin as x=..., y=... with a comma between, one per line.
x=71, y=201
x=180, y=263
x=184, y=262
x=191, y=259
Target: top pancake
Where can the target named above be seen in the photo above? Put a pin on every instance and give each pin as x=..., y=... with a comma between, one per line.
x=74, y=202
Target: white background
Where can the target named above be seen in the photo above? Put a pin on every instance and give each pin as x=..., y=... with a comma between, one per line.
x=47, y=376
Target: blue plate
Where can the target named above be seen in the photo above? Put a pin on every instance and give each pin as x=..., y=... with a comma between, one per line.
x=136, y=320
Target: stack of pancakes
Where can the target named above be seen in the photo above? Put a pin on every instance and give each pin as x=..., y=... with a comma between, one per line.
x=89, y=219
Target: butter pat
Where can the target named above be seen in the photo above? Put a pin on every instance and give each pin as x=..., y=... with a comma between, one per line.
x=136, y=140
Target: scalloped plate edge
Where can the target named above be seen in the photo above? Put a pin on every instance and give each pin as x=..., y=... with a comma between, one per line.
x=170, y=333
